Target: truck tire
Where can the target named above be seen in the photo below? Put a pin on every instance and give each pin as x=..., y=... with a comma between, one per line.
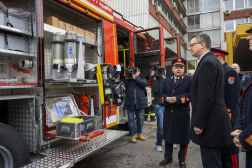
x=14, y=151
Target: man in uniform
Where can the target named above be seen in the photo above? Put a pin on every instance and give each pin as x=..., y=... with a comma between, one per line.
x=243, y=127
x=229, y=154
x=176, y=93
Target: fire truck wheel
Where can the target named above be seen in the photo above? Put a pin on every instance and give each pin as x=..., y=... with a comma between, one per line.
x=14, y=151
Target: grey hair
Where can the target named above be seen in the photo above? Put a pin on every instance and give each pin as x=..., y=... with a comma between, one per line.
x=202, y=37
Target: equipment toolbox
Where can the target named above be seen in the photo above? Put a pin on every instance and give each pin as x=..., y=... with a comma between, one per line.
x=70, y=124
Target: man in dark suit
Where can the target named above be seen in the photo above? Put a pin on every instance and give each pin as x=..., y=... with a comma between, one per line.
x=176, y=93
x=210, y=123
x=229, y=154
x=243, y=127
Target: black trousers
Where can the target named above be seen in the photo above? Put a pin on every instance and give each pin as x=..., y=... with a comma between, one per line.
x=169, y=151
x=248, y=160
x=211, y=157
x=230, y=160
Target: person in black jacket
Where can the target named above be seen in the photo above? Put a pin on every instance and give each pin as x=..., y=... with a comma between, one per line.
x=135, y=102
x=157, y=83
x=229, y=154
x=210, y=122
x=176, y=93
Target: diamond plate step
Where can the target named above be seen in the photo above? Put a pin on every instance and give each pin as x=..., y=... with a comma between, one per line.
x=51, y=162
x=74, y=151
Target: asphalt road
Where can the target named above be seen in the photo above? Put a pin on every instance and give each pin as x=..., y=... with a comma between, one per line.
x=123, y=153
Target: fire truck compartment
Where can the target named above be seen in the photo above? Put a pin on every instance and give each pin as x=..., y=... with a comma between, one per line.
x=63, y=107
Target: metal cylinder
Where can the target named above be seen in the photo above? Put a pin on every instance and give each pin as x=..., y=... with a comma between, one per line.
x=11, y=80
x=82, y=40
x=70, y=48
x=105, y=77
x=26, y=64
x=58, y=48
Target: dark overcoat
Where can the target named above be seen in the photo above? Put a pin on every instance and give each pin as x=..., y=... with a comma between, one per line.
x=176, y=121
x=139, y=84
x=209, y=111
x=245, y=121
x=231, y=97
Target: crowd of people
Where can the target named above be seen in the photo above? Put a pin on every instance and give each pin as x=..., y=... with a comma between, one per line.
x=220, y=97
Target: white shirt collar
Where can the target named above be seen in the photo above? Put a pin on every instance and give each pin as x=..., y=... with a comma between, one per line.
x=176, y=78
x=203, y=56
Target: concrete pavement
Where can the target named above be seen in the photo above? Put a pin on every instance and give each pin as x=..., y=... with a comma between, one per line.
x=123, y=153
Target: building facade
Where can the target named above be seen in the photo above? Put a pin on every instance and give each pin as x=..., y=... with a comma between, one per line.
x=236, y=12
x=236, y=18
x=150, y=13
x=215, y=18
x=204, y=16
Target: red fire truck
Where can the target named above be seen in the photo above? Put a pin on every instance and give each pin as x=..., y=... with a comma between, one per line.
x=55, y=62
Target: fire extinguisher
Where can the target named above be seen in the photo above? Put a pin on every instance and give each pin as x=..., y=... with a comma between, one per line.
x=84, y=102
x=76, y=97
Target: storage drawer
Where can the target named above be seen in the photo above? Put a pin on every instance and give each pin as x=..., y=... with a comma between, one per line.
x=75, y=131
x=15, y=43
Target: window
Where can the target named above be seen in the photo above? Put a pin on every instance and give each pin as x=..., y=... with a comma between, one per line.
x=209, y=22
x=197, y=22
x=216, y=22
x=249, y=3
x=216, y=4
x=216, y=40
x=190, y=22
x=190, y=6
x=202, y=5
x=214, y=36
x=239, y=4
x=228, y=4
x=194, y=22
x=249, y=20
x=236, y=4
x=239, y=21
x=198, y=5
x=207, y=5
x=229, y=25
